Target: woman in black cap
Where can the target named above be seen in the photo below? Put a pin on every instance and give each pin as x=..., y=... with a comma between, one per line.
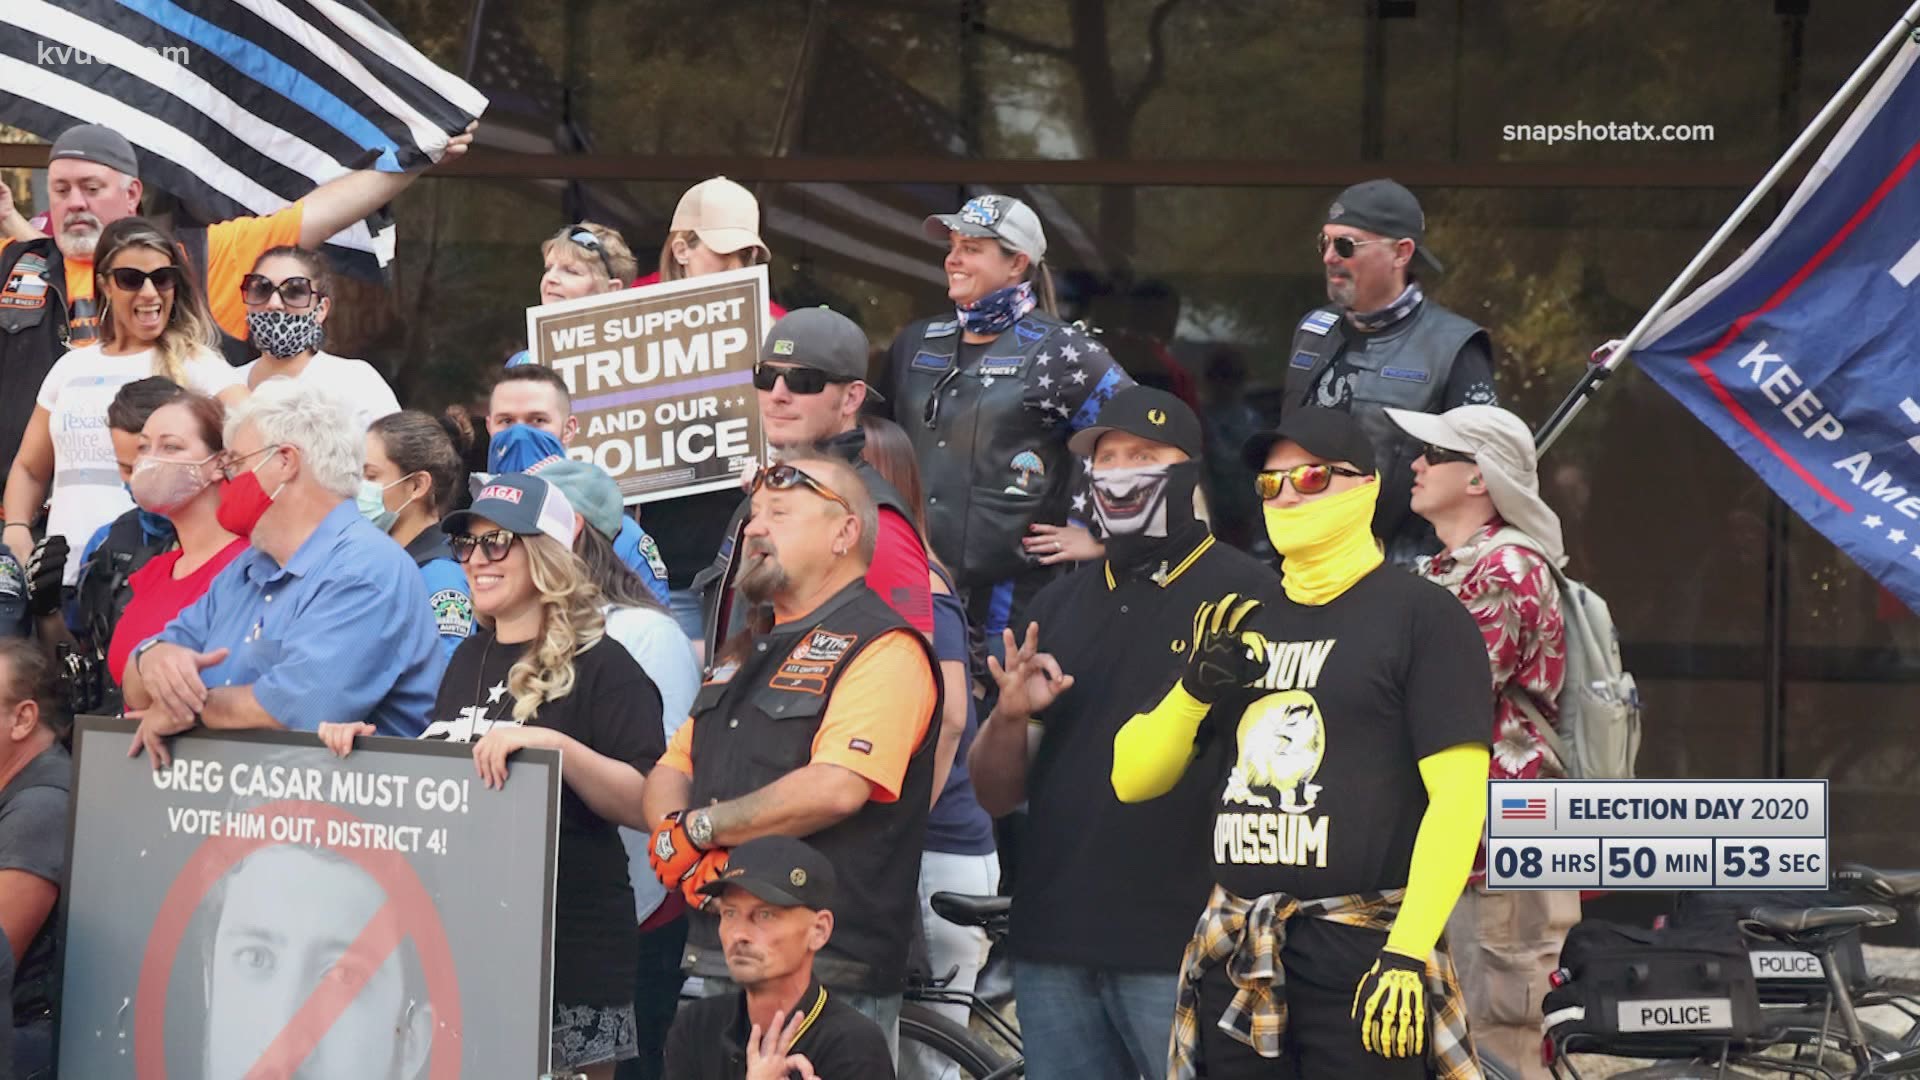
x=989, y=398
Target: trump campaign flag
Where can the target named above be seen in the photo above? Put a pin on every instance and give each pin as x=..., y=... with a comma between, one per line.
x=238, y=107
x=1804, y=354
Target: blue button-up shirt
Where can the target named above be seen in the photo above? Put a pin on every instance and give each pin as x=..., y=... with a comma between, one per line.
x=341, y=633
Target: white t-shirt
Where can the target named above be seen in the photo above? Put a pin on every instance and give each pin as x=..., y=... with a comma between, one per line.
x=87, y=490
x=656, y=641
x=354, y=383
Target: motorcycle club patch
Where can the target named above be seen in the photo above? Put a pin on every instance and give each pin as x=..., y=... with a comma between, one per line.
x=26, y=283
x=811, y=663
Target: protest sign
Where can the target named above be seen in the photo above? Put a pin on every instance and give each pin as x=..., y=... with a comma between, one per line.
x=263, y=908
x=662, y=380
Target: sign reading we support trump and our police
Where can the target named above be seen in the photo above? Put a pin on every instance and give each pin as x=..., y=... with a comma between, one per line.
x=1657, y=834
x=263, y=908
x=662, y=379
x=1804, y=354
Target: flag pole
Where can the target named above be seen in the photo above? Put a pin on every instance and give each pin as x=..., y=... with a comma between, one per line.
x=1597, y=373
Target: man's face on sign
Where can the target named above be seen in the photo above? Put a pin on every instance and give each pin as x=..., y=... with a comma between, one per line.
x=518, y=401
x=285, y=933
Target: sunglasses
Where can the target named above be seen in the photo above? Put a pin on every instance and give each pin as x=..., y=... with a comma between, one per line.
x=1440, y=455
x=931, y=414
x=586, y=239
x=496, y=544
x=128, y=279
x=1306, y=479
x=804, y=381
x=1345, y=246
x=294, y=292
x=787, y=477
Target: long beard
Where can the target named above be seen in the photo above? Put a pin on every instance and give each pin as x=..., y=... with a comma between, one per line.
x=763, y=577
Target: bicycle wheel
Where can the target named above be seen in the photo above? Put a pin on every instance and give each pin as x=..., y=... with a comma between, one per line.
x=932, y=1047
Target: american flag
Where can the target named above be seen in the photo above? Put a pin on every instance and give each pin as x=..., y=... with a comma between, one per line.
x=1523, y=809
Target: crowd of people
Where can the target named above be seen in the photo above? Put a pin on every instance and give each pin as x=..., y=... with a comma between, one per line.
x=969, y=628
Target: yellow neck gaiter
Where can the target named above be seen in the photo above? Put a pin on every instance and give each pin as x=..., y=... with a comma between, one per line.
x=1328, y=544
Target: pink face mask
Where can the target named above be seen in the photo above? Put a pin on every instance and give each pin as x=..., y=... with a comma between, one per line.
x=163, y=485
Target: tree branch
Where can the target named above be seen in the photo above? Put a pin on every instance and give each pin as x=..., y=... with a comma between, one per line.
x=1156, y=72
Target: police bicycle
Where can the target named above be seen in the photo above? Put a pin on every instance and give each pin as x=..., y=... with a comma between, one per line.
x=1821, y=1039
x=976, y=1057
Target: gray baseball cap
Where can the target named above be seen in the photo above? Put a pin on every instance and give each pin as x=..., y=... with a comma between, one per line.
x=823, y=339
x=99, y=144
x=1002, y=217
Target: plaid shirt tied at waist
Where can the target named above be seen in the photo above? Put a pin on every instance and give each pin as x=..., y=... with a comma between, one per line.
x=1247, y=936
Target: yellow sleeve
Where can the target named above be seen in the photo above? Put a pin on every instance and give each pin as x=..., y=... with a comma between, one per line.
x=232, y=249
x=1443, y=850
x=1152, y=750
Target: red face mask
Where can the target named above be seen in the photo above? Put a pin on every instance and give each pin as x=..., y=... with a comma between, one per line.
x=243, y=501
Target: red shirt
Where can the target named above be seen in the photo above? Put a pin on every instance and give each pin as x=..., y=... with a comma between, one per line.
x=158, y=597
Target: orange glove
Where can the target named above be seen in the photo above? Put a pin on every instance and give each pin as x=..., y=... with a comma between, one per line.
x=672, y=853
x=709, y=868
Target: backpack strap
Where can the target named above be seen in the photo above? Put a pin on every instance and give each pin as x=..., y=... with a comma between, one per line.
x=1556, y=745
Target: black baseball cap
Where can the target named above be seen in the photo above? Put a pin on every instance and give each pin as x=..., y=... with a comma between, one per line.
x=821, y=338
x=780, y=870
x=1146, y=412
x=1332, y=434
x=99, y=144
x=1384, y=207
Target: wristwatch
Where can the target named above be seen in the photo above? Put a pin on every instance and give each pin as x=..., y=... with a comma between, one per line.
x=700, y=828
x=140, y=650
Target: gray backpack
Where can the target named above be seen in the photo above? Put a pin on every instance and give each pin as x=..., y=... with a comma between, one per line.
x=1598, y=736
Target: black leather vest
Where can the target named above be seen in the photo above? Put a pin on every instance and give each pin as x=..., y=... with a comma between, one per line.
x=1406, y=366
x=994, y=458
x=33, y=332
x=103, y=588
x=759, y=725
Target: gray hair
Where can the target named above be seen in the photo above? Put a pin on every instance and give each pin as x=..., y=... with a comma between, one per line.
x=309, y=419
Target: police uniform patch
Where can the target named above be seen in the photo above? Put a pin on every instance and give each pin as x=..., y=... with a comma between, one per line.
x=650, y=551
x=452, y=613
x=1319, y=322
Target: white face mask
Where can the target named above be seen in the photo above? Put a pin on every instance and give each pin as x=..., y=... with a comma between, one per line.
x=1132, y=502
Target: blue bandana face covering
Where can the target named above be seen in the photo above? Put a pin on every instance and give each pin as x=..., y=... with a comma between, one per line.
x=521, y=445
x=996, y=312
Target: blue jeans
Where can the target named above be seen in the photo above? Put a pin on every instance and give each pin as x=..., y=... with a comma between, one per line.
x=1077, y=1022
x=685, y=606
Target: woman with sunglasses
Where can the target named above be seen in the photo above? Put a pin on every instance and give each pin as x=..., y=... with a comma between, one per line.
x=990, y=398
x=288, y=297
x=540, y=671
x=412, y=475
x=176, y=476
x=153, y=321
x=581, y=260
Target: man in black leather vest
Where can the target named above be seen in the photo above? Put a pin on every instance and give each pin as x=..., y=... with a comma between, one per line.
x=819, y=726
x=811, y=384
x=1380, y=343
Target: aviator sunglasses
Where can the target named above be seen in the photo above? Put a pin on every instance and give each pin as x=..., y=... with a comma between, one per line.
x=1345, y=246
x=1306, y=479
x=785, y=477
x=496, y=545
x=804, y=381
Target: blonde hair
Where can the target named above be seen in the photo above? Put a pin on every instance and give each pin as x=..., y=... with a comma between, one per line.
x=190, y=332
x=570, y=624
x=620, y=263
x=671, y=269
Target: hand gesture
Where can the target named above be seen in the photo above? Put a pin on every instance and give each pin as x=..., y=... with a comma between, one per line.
x=1220, y=656
x=767, y=1057
x=156, y=726
x=490, y=754
x=458, y=145
x=172, y=676
x=1061, y=543
x=1391, y=1005
x=339, y=737
x=1030, y=680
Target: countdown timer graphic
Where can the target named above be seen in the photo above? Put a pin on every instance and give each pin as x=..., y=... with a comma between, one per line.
x=1657, y=834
